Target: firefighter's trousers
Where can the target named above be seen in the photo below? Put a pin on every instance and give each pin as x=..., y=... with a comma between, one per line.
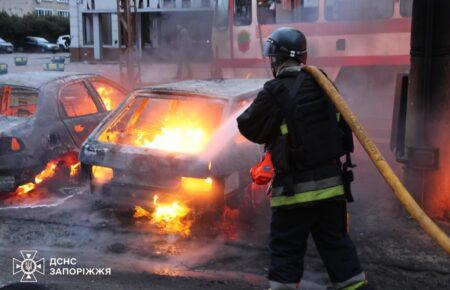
x=327, y=222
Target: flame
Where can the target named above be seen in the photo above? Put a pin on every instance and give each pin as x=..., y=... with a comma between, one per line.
x=183, y=129
x=75, y=169
x=47, y=173
x=178, y=135
x=26, y=188
x=196, y=184
x=105, y=94
x=169, y=218
x=102, y=174
x=69, y=160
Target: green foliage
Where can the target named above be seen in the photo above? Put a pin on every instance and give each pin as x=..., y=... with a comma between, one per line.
x=14, y=28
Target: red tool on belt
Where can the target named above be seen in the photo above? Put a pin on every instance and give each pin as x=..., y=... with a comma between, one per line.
x=262, y=173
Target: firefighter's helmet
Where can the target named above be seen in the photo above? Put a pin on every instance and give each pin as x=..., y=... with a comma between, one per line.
x=285, y=42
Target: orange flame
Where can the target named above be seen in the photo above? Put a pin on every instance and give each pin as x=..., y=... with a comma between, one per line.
x=47, y=173
x=170, y=218
x=26, y=188
x=75, y=169
x=105, y=95
x=177, y=135
x=50, y=171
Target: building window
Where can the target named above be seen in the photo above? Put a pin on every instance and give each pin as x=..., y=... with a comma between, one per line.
x=106, y=28
x=62, y=1
x=43, y=12
x=63, y=13
x=186, y=4
x=242, y=12
x=348, y=10
x=88, y=29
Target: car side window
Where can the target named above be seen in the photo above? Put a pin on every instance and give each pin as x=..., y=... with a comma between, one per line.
x=76, y=101
x=110, y=95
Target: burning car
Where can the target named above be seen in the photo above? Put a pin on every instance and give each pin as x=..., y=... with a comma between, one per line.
x=176, y=141
x=44, y=118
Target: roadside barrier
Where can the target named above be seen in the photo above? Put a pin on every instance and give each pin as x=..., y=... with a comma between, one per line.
x=58, y=59
x=377, y=158
x=21, y=61
x=54, y=67
x=3, y=68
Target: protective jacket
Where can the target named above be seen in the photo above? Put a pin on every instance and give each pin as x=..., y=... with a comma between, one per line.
x=295, y=182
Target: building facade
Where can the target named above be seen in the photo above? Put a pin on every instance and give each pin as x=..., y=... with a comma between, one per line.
x=95, y=29
x=39, y=7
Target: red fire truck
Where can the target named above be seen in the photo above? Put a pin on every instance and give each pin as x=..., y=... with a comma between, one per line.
x=341, y=33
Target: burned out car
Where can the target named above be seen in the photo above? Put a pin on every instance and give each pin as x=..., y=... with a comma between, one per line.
x=45, y=116
x=175, y=140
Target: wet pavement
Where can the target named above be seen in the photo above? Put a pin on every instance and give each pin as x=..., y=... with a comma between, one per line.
x=230, y=254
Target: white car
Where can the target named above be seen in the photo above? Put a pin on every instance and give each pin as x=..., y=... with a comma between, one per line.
x=63, y=42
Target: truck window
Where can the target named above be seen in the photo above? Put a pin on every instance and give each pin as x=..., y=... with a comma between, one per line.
x=287, y=11
x=221, y=14
x=242, y=12
x=349, y=10
x=406, y=8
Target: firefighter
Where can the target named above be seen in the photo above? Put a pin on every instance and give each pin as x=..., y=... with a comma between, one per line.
x=303, y=133
x=183, y=56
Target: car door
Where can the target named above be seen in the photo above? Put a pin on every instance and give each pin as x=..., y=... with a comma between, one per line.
x=80, y=109
x=27, y=44
x=33, y=45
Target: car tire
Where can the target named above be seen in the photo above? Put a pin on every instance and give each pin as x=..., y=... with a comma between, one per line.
x=43, y=50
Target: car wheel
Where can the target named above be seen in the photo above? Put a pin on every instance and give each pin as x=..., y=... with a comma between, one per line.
x=43, y=50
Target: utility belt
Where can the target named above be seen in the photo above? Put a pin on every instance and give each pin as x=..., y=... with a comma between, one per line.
x=324, y=182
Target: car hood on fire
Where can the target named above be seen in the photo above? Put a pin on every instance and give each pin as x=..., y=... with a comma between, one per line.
x=222, y=88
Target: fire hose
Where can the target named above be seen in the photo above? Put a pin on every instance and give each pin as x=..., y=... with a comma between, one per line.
x=380, y=163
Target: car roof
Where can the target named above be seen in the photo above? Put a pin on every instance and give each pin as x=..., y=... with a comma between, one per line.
x=229, y=89
x=36, y=79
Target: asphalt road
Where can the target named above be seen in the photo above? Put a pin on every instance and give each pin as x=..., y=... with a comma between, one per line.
x=231, y=254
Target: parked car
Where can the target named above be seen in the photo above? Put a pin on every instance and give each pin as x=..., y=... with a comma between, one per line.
x=45, y=115
x=38, y=44
x=177, y=140
x=64, y=42
x=6, y=46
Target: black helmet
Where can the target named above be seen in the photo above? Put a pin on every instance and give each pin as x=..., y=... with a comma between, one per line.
x=285, y=42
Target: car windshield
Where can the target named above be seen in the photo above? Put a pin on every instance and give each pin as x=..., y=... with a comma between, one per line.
x=41, y=40
x=2, y=40
x=18, y=101
x=176, y=124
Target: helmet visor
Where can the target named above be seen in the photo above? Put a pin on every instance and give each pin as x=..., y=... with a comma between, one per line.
x=269, y=48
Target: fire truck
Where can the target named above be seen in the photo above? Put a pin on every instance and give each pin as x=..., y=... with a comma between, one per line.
x=341, y=33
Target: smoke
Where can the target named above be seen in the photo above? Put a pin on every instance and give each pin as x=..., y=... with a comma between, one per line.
x=222, y=137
